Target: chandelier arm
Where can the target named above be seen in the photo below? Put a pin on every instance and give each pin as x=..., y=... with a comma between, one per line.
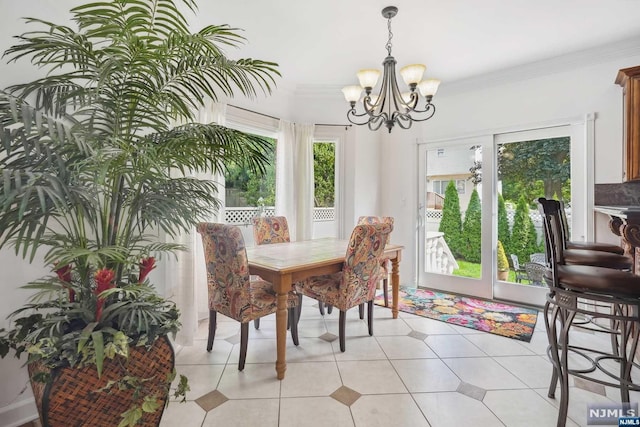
x=377, y=122
x=352, y=113
x=430, y=110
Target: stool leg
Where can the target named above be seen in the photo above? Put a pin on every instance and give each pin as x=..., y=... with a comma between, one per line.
x=385, y=290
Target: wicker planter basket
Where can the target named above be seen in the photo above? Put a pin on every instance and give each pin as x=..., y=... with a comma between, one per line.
x=70, y=398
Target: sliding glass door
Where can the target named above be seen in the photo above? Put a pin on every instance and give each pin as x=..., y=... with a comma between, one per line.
x=479, y=230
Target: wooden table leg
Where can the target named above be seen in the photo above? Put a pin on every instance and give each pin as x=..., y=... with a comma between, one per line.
x=281, y=326
x=395, y=284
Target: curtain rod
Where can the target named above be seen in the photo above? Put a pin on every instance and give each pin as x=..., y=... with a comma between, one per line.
x=278, y=118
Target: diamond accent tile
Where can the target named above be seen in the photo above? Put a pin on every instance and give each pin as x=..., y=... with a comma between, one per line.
x=590, y=386
x=211, y=400
x=328, y=337
x=472, y=391
x=345, y=395
x=418, y=335
x=234, y=339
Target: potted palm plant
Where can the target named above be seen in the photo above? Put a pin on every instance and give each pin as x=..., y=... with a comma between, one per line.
x=95, y=158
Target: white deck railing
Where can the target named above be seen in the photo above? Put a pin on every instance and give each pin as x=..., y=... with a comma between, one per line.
x=243, y=216
x=438, y=256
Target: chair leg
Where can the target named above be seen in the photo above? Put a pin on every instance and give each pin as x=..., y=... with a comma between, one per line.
x=212, y=329
x=321, y=307
x=361, y=311
x=329, y=308
x=294, y=325
x=385, y=290
x=256, y=323
x=370, y=316
x=299, y=309
x=244, y=341
x=341, y=329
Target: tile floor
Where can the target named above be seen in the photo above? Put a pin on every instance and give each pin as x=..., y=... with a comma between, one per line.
x=412, y=372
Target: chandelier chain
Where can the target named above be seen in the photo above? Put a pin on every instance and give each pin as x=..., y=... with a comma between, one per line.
x=389, y=45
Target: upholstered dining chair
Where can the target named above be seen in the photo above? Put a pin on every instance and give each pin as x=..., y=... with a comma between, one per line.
x=232, y=291
x=386, y=264
x=273, y=229
x=356, y=283
x=270, y=229
x=601, y=300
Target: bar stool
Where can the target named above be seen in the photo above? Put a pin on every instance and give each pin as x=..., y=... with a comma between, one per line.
x=583, y=291
x=584, y=253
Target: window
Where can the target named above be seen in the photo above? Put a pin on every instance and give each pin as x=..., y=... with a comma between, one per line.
x=244, y=188
x=324, y=171
x=440, y=186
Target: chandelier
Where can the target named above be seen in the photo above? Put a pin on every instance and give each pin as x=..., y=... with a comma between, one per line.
x=390, y=106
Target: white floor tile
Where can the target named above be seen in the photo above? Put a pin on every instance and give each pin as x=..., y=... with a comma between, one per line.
x=426, y=375
x=244, y=413
x=371, y=377
x=197, y=354
x=256, y=381
x=314, y=412
x=405, y=347
x=454, y=409
x=202, y=378
x=534, y=371
x=453, y=346
x=184, y=414
x=399, y=410
x=311, y=379
x=494, y=345
x=522, y=408
x=483, y=372
x=429, y=326
x=359, y=348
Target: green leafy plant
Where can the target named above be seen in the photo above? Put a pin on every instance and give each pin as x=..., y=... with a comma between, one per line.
x=472, y=229
x=451, y=223
x=503, y=262
x=96, y=157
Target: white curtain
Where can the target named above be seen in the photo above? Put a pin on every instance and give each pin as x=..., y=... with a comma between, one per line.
x=304, y=181
x=190, y=291
x=285, y=175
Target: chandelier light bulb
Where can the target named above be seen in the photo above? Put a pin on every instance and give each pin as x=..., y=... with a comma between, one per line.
x=368, y=78
x=429, y=87
x=412, y=74
x=352, y=93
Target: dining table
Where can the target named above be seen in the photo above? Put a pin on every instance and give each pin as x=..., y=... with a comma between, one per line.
x=284, y=264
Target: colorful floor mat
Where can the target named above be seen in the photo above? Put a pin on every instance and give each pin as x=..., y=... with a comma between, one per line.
x=488, y=316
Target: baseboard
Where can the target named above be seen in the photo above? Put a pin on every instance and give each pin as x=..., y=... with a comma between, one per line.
x=19, y=413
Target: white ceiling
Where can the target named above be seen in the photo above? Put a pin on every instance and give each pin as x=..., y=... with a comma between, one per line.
x=323, y=43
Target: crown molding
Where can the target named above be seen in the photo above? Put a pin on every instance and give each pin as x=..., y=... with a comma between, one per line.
x=621, y=49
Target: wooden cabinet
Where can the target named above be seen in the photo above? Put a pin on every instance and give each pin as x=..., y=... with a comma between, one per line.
x=629, y=79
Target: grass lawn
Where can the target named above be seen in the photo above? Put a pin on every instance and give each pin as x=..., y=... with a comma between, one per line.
x=471, y=269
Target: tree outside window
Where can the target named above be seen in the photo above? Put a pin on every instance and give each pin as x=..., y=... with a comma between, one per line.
x=244, y=188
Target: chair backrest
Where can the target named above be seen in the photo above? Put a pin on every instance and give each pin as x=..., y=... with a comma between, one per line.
x=270, y=229
x=535, y=272
x=553, y=240
x=361, y=271
x=515, y=261
x=375, y=220
x=540, y=258
x=227, y=269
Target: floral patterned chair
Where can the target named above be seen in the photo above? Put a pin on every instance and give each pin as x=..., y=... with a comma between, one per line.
x=273, y=229
x=386, y=264
x=356, y=283
x=270, y=229
x=232, y=291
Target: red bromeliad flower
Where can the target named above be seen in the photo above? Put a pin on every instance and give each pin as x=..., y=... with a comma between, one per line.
x=146, y=265
x=104, y=278
x=64, y=274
